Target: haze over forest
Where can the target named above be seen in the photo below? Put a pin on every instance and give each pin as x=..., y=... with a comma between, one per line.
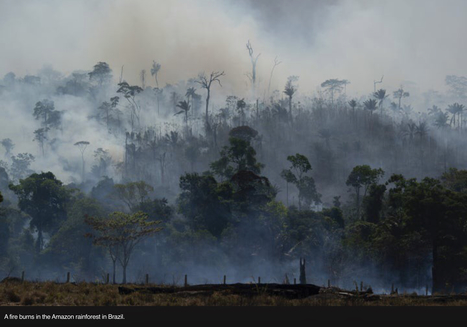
x=254, y=132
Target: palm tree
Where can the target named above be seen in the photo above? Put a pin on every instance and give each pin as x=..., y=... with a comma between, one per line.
x=409, y=130
x=381, y=96
x=433, y=111
x=290, y=90
x=353, y=104
x=456, y=109
x=394, y=108
x=441, y=120
x=155, y=70
x=370, y=105
x=185, y=108
x=421, y=130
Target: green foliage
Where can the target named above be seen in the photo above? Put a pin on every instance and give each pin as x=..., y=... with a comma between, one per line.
x=240, y=155
x=307, y=192
x=43, y=197
x=205, y=203
x=455, y=180
x=133, y=194
x=120, y=233
x=68, y=246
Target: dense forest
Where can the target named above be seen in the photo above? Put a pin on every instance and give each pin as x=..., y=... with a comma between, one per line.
x=179, y=180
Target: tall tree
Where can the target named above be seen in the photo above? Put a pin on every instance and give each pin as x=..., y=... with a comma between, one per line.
x=362, y=177
x=240, y=155
x=206, y=83
x=82, y=145
x=185, y=108
x=380, y=95
x=129, y=93
x=121, y=233
x=43, y=197
x=101, y=73
x=297, y=174
x=399, y=94
x=290, y=90
x=334, y=86
x=155, y=70
x=254, y=61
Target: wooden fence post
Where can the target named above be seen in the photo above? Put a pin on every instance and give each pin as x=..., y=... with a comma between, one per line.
x=68, y=277
x=22, y=276
x=259, y=280
x=147, y=279
x=107, y=279
x=329, y=283
x=186, y=280
x=225, y=279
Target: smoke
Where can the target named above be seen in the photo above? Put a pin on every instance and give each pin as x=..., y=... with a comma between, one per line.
x=416, y=40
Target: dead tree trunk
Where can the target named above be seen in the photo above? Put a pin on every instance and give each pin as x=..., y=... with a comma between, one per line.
x=302, y=271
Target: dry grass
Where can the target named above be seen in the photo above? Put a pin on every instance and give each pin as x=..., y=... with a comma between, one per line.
x=88, y=294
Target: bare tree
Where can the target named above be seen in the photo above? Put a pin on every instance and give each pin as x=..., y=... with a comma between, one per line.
x=254, y=61
x=82, y=145
x=276, y=63
x=143, y=79
x=377, y=82
x=206, y=83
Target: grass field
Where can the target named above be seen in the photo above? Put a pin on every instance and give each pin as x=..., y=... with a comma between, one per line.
x=89, y=294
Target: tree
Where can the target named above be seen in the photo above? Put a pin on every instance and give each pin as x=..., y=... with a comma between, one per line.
x=103, y=162
x=40, y=135
x=456, y=109
x=362, y=177
x=254, y=61
x=433, y=212
x=43, y=197
x=68, y=247
x=155, y=70
x=101, y=73
x=399, y=94
x=82, y=145
x=276, y=63
x=334, y=86
x=45, y=110
x=20, y=165
x=370, y=105
x=121, y=233
x=185, y=108
x=8, y=145
x=107, y=108
x=143, y=79
x=381, y=96
x=204, y=203
x=129, y=92
x=240, y=155
x=245, y=133
x=206, y=83
x=297, y=175
x=190, y=93
x=353, y=104
x=290, y=90
x=133, y=193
